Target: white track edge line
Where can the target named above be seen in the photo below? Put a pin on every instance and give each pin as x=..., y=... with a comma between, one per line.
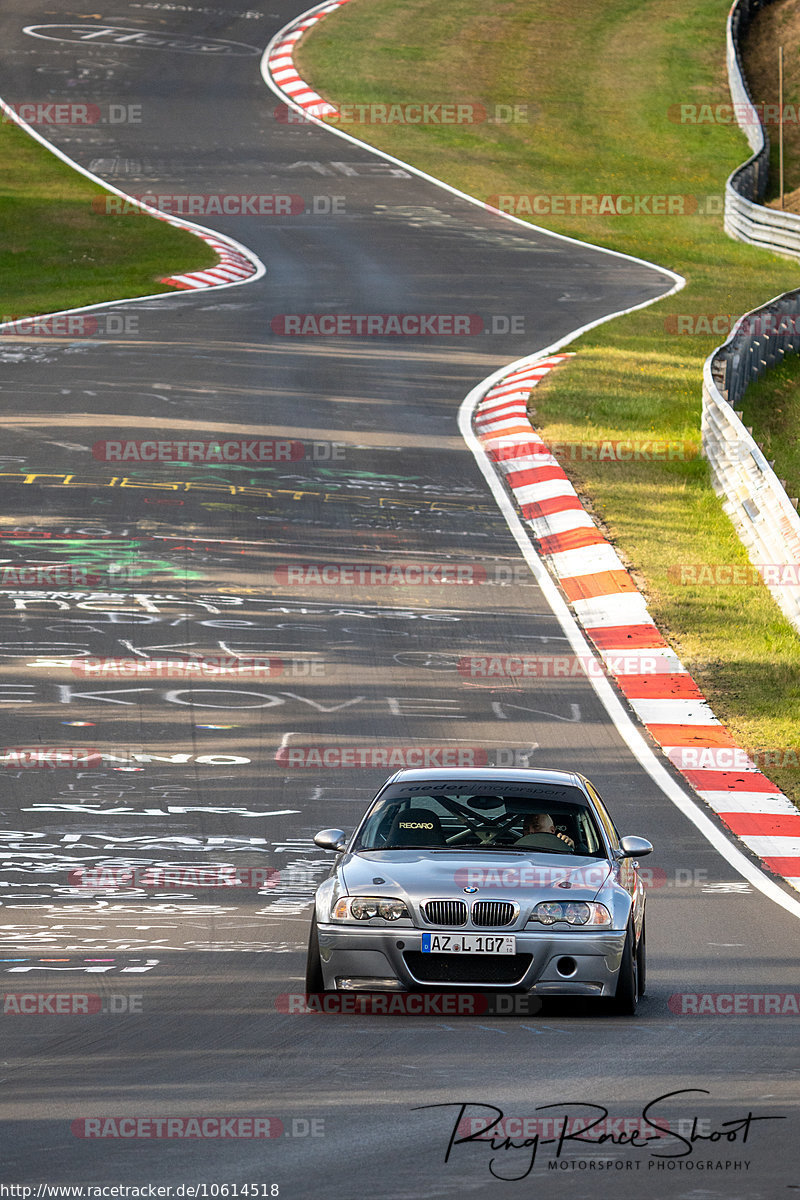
x=200, y=231
x=454, y=191
x=620, y=718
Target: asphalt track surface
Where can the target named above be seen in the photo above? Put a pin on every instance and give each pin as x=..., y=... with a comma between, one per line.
x=390, y=482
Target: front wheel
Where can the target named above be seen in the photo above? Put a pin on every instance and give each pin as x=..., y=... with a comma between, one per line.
x=627, y=993
x=314, y=980
x=641, y=963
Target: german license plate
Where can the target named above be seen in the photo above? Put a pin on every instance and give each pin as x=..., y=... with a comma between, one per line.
x=469, y=943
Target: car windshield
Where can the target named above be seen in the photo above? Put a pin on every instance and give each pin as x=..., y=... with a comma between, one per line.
x=543, y=818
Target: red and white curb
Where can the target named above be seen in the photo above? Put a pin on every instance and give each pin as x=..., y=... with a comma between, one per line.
x=613, y=615
x=234, y=266
x=279, y=63
x=237, y=263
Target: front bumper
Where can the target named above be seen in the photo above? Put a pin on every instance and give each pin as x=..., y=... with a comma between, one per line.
x=546, y=963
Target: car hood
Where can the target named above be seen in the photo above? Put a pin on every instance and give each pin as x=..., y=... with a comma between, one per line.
x=422, y=874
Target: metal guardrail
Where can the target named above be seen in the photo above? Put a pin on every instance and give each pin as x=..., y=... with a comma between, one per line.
x=753, y=496
x=760, y=339
x=745, y=217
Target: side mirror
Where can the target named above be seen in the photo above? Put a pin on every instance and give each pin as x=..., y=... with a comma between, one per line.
x=635, y=847
x=330, y=839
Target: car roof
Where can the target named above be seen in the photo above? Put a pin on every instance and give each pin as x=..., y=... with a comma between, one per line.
x=489, y=775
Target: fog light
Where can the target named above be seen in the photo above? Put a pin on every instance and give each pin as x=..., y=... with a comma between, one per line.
x=566, y=967
x=358, y=983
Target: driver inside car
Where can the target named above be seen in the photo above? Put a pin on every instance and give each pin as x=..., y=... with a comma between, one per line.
x=534, y=823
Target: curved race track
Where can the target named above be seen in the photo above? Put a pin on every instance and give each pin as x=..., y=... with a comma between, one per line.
x=385, y=479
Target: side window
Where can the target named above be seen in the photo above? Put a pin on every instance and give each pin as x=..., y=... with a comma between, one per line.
x=587, y=833
x=605, y=819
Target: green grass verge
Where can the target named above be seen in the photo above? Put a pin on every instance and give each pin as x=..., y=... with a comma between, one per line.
x=771, y=408
x=603, y=80
x=57, y=251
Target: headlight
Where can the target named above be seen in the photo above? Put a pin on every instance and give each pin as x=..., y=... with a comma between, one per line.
x=363, y=908
x=548, y=914
x=576, y=913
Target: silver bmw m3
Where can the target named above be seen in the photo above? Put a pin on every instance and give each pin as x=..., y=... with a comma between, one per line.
x=487, y=880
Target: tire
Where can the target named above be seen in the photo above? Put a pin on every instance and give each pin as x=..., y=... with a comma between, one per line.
x=314, y=980
x=641, y=961
x=627, y=993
